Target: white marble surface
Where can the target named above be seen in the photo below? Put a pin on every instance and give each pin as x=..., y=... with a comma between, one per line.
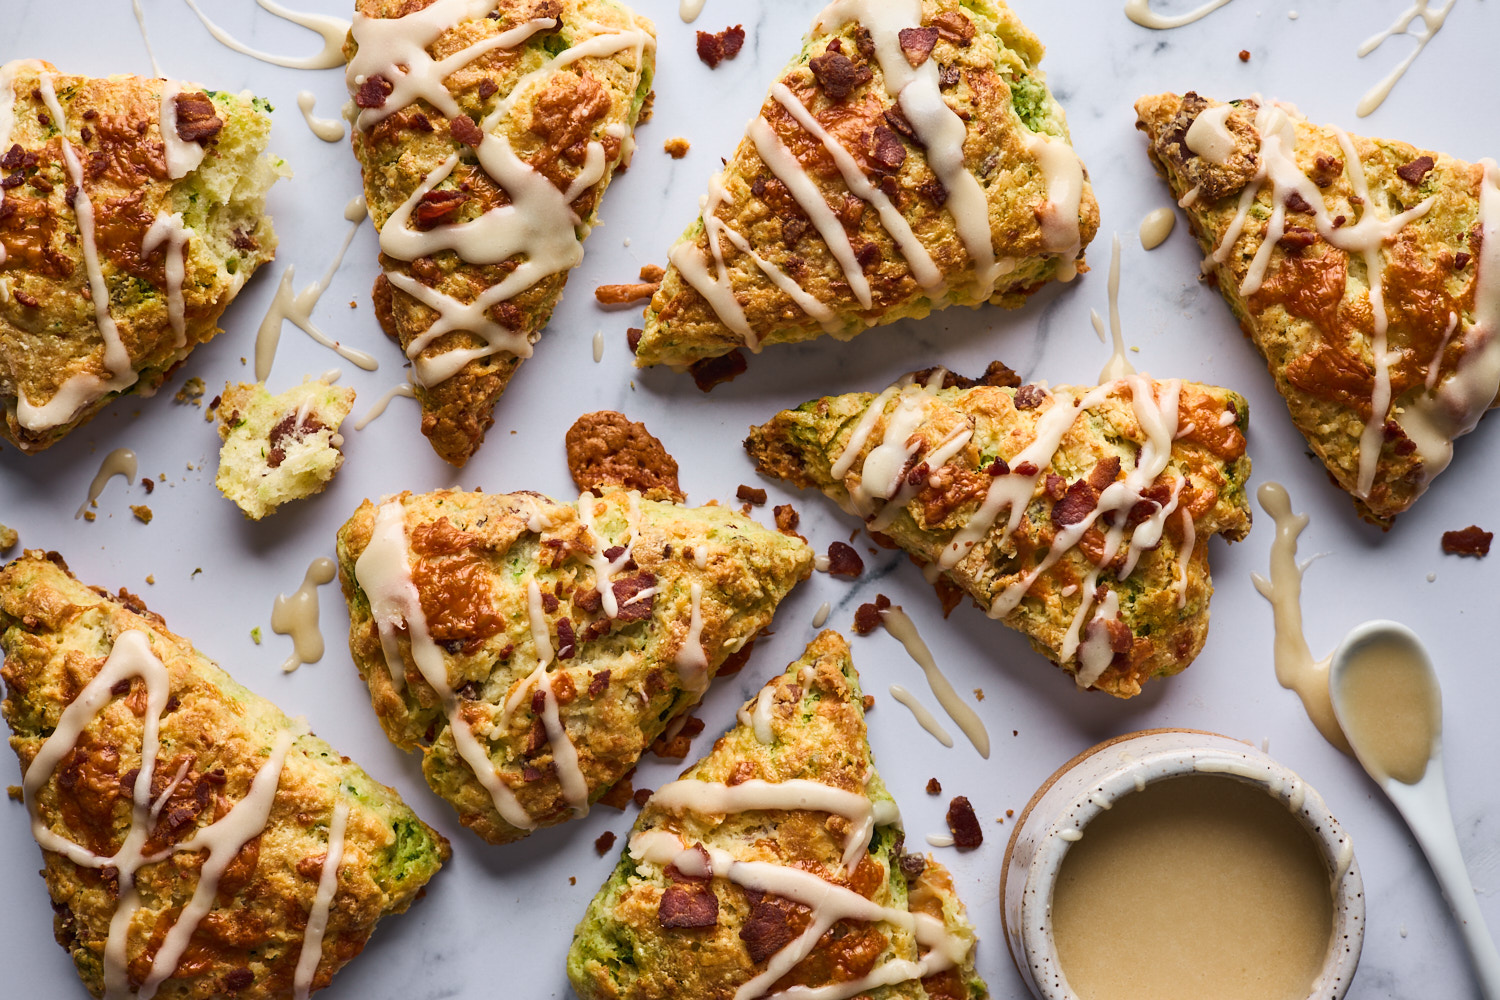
x=497, y=921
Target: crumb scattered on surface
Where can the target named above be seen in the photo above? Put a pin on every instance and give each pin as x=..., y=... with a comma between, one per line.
x=979, y=694
x=844, y=561
x=1471, y=541
x=605, y=841
x=750, y=494
x=624, y=295
x=869, y=702
x=255, y=634
x=191, y=391
x=572, y=879
x=1010, y=812
x=716, y=47
x=967, y=833
x=934, y=787
x=607, y=449
x=195, y=572
x=787, y=519
x=89, y=515
x=151, y=579
x=142, y=513
x=1244, y=55
x=15, y=792
x=148, y=484
x=652, y=272
x=711, y=371
x=8, y=538
x=676, y=147
x=641, y=796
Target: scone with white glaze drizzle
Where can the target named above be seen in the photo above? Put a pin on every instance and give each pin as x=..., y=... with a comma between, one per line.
x=531, y=650
x=1078, y=515
x=487, y=134
x=775, y=867
x=910, y=158
x=1366, y=272
x=131, y=214
x=279, y=448
x=197, y=842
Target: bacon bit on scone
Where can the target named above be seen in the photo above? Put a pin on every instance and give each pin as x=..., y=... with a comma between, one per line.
x=465, y=131
x=688, y=906
x=624, y=295
x=196, y=121
x=955, y=27
x=844, y=561
x=373, y=92
x=964, y=825
x=934, y=787
x=1471, y=541
x=607, y=449
x=770, y=926
x=867, y=617
x=633, y=337
x=836, y=73
x=1413, y=172
x=711, y=371
x=1029, y=397
x=605, y=841
x=717, y=47
x=750, y=494
x=917, y=43
x=677, y=747
x=676, y=147
x=436, y=208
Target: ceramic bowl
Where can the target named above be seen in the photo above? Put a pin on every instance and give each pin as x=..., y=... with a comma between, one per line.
x=1082, y=788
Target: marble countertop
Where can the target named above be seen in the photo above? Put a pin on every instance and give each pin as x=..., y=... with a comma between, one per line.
x=504, y=915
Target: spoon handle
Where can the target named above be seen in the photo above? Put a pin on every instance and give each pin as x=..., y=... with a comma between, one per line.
x=1425, y=808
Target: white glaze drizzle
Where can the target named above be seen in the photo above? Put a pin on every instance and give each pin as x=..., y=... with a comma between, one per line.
x=821, y=615
x=327, y=129
x=939, y=840
x=317, y=918
x=333, y=29
x=140, y=20
x=920, y=712
x=1141, y=13
x=605, y=569
x=296, y=615
x=169, y=230
x=900, y=625
x=689, y=10
x=1156, y=227
x=182, y=157
x=692, y=660
x=1185, y=554
x=1058, y=214
x=120, y=462
x=755, y=714
x=378, y=407
x=383, y=572
x=1117, y=367
x=1432, y=21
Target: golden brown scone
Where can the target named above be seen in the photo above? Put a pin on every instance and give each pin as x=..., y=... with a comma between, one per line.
x=864, y=211
x=131, y=213
x=479, y=623
x=1036, y=502
x=607, y=449
x=99, y=694
x=483, y=194
x=685, y=914
x=1325, y=245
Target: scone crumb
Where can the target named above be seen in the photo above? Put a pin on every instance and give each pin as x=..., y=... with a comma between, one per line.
x=979, y=694
x=89, y=515
x=934, y=787
x=677, y=147
x=868, y=702
x=604, y=842
x=255, y=635
x=151, y=579
x=8, y=538
x=15, y=792
x=142, y=513
x=1471, y=541
x=191, y=392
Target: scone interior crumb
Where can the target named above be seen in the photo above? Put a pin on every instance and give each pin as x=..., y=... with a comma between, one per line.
x=279, y=448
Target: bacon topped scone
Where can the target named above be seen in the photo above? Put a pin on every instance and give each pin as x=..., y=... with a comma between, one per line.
x=487, y=134
x=532, y=650
x=131, y=214
x=910, y=158
x=1365, y=271
x=196, y=842
x=1079, y=516
x=774, y=868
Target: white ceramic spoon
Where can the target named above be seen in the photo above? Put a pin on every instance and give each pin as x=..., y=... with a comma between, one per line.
x=1386, y=697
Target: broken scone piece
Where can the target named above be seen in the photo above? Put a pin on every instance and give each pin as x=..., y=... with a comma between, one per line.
x=910, y=158
x=487, y=134
x=531, y=650
x=131, y=214
x=774, y=867
x=1366, y=271
x=279, y=448
x=196, y=842
x=1078, y=515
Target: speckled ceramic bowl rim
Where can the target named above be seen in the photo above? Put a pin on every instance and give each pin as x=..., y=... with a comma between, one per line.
x=1155, y=755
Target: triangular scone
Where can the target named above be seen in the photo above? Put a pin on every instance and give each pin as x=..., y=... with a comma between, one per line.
x=1079, y=516
x=1367, y=272
x=774, y=866
x=532, y=650
x=487, y=134
x=131, y=213
x=196, y=841
x=909, y=159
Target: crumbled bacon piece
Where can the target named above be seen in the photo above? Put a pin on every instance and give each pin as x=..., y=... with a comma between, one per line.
x=633, y=337
x=1104, y=472
x=465, y=131
x=917, y=43
x=488, y=88
x=1413, y=172
x=148, y=484
x=196, y=121
x=998, y=467
x=844, y=561
x=964, y=824
x=677, y=747
x=736, y=660
x=750, y=494
x=947, y=76
x=1461, y=260
x=598, y=682
x=912, y=866
x=716, y=47
x=934, y=191
x=1055, y=486
x=886, y=150
x=867, y=616
x=955, y=27
x=837, y=74
x=373, y=92
x=1297, y=238
x=604, y=842
x=1326, y=169
x=787, y=518
x=631, y=608
x=711, y=371
x=567, y=643
x=688, y=906
x=1029, y=397
x=1296, y=203
x=704, y=862
x=1471, y=541
x=436, y=208
x=641, y=797
x=1076, y=504
x=1244, y=55
x=771, y=926
x=902, y=125
x=934, y=787
x=1026, y=469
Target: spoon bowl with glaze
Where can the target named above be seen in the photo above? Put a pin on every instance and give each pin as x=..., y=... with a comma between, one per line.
x=1385, y=694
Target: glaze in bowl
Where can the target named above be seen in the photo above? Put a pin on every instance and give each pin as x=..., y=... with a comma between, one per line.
x=1081, y=789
